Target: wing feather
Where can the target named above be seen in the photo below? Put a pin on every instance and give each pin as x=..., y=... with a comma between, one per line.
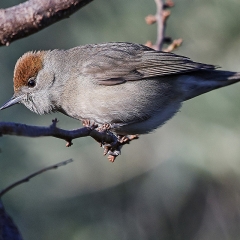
x=116, y=63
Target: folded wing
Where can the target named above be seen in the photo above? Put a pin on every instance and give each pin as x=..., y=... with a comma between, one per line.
x=116, y=63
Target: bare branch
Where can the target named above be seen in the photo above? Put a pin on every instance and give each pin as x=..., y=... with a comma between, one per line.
x=18, y=129
x=175, y=44
x=106, y=138
x=32, y=16
x=160, y=18
x=103, y=137
x=26, y=179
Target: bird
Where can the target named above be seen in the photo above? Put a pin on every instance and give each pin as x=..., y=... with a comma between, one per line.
x=131, y=87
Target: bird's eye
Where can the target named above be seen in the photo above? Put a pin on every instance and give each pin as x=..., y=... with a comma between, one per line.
x=31, y=83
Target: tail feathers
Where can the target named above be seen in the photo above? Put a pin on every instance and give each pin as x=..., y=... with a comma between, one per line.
x=208, y=80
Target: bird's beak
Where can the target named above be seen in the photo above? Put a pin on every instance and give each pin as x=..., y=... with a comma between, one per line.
x=14, y=100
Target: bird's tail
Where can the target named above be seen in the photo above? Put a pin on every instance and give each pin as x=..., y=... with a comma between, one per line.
x=208, y=80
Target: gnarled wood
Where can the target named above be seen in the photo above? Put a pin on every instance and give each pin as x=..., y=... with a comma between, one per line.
x=32, y=16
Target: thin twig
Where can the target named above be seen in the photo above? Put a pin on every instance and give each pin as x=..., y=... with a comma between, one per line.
x=161, y=24
x=26, y=179
x=160, y=18
x=174, y=45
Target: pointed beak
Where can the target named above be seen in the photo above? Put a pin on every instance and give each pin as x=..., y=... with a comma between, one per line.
x=14, y=100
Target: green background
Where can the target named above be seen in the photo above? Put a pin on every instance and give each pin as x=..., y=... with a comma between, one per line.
x=180, y=182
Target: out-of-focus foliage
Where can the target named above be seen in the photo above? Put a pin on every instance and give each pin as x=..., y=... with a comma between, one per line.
x=181, y=182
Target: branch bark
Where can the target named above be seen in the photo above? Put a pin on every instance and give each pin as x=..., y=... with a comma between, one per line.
x=111, y=143
x=32, y=16
x=17, y=129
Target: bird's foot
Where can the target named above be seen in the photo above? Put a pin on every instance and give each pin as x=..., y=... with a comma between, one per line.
x=90, y=124
x=104, y=127
x=126, y=139
x=113, y=150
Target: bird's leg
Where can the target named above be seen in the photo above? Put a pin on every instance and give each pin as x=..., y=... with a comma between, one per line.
x=126, y=139
x=104, y=127
x=115, y=149
x=111, y=149
x=89, y=123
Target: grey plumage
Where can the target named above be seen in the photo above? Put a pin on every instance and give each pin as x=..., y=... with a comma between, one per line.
x=131, y=62
x=134, y=88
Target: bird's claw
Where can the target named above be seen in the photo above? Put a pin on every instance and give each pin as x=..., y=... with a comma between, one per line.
x=114, y=149
x=111, y=149
x=105, y=127
x=123, y=139
x=112, y=154
x=90, y=124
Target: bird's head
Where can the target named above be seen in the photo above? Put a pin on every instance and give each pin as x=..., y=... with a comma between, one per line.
x=32, y=82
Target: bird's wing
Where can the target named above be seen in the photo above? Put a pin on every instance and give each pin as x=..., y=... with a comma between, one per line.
x=116, y=63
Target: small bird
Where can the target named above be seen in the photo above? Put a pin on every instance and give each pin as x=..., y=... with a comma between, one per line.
x=129, y=86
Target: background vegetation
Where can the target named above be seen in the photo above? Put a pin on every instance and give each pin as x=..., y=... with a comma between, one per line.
x=180, y=182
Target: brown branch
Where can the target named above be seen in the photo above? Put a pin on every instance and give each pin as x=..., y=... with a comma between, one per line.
x=106, y=138
x=160, y=18
x=18, y=129
x=174, y=45
x=26, y=179
x=32, y=16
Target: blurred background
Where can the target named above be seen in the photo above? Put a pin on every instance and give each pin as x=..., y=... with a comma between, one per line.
x=180, y=182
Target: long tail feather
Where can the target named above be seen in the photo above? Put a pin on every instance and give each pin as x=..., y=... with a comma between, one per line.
x=205, y=81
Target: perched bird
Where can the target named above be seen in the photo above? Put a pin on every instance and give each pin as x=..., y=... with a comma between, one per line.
x=133, y=88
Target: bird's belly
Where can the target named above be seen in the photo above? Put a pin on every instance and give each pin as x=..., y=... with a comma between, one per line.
x=150, y=124
x=136, y=107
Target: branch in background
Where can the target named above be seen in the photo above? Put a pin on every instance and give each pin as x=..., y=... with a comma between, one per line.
x=8, y=229
x=26, y=179
x=160, y=18
x=34, y=15
x=174, y=45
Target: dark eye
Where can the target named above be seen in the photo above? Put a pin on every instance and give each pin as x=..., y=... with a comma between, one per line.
x=31, y=83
